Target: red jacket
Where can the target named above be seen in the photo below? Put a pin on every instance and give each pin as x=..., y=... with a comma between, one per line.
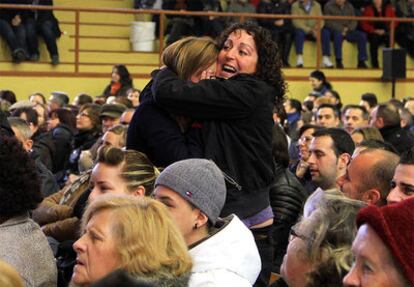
x=368, y=26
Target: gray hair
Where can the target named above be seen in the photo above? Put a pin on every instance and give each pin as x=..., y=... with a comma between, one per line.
x=22, y=126
x=328, y=228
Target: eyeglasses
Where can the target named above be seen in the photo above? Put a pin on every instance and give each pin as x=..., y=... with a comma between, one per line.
x=83, y=114
x=305, y=140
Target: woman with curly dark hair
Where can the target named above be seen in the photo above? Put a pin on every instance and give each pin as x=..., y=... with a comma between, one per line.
x=23, y=244
x=121, y=82
x=236, y=116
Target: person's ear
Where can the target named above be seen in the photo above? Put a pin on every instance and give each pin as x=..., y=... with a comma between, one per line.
x=343, y=161
x=139, y=191
x=201, y=219
x=372, y=196
x=28, y=144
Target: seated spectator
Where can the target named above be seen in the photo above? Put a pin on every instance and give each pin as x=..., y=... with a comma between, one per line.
x=330, y=154
x=319, y=251
x=374, y=144
x=369, y=101
x=121, y=82
x=23, y=245
x=407, y=120
x=133, y=96
x=354, y=116
x=9, y=277
x=62, y=126
x=287, y=196
x=293, y=110
x=305, y=28
x=387, y=120
x=280, y=29
x=239, y=6
x=12, y=30
x=139, y=237
x=319, y=83
x=44, y=23
x=89, y=126
x=383, y=249
x=182, y=26
x=327, y=116
x=8, y=95
x=57, y=100
x=223, y=250
x=111, y=115
x=338, y=30
x=42, y=116
x=335, y=98
x=82, y=99
x=115, y=136
x=23, y=134
x=365, y=134
x=377, y=32
x=368, y=176
x=38, y=98
x=404, y=35
x=43, y=143
x=402, y=183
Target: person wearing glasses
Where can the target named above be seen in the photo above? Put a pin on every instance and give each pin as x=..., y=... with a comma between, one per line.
x=319, y=250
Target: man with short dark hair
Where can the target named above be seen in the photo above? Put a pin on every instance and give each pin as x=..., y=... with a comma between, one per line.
x=327, y=116
x=387, y=120
x=331, y=151
x=402, y=183
x=355, y=117
x=369, y=101
x=368, y=176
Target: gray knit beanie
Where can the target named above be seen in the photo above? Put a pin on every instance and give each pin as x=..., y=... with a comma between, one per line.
x=198, y=181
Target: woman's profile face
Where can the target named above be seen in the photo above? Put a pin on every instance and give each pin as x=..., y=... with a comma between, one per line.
x=83, y=121
x=106, y=179
x=96, y=250
x=238, y=55
x=315, y=83
x=115, y=75
x=52, y=122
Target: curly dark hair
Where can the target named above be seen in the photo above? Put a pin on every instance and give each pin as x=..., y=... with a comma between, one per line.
x=20, y=185
x=269, y=62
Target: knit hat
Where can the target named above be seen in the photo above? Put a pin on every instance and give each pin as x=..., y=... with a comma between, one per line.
x=394, y=224
x=198, y=181
x=112, y=110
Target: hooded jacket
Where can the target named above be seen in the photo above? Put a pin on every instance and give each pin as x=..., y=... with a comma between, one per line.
x=229, y=257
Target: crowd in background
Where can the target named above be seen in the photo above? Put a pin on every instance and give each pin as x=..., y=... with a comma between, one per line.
x=209, y=176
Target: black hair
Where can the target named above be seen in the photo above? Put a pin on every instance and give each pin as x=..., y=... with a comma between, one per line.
x=31, y=115
x=377, y=144
x=8, y=95
x=407, y=157
x=307, y=127
x=296, y=104
x=124, y=75
x=280, y=146
x=332, y=107
x=389, y=114
x=342, y=140
x=269, y=63
x=20, y=185
x=319, y=75
x=363, y=110
x=370, y=98
x=84, y=99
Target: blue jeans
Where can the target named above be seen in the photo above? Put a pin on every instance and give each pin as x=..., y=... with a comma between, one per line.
x=45, y=29
x=300, y=37
x=352, y=36
x=14, y=36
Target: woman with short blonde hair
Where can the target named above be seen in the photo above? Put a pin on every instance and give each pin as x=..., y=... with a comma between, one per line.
x=132, y=233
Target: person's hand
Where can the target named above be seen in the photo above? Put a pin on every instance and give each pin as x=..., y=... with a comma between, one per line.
x=301, y=168
x=16, y=21
x=314, y=33
x=344, y=31
x=207, y=75
x=279, y=22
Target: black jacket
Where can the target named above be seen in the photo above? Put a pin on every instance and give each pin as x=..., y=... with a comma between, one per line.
x=401, y=139
x=63, y=138
x=45, y=147
x=237, y=131
x=48, y=183
x=155, y=132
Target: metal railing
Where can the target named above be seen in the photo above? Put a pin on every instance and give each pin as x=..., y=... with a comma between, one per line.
x=162, y=13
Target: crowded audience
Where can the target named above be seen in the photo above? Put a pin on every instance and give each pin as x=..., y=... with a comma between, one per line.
x=210, y=176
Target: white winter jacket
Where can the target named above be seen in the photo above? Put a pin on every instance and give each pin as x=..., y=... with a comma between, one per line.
x=228, y=258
